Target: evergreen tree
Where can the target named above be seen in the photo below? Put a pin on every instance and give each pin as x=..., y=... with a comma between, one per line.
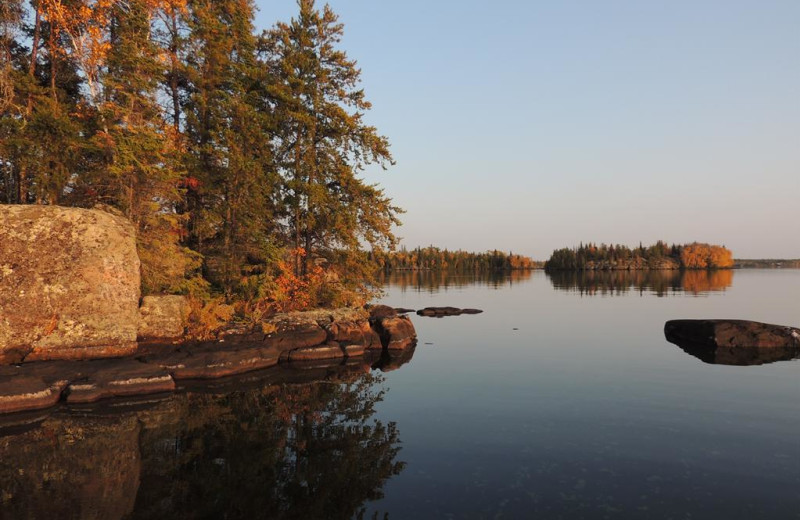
x=323, y=145
x=230, y=173
x=142, y=173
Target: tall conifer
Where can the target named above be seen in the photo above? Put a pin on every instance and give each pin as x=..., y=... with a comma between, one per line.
x=230, y=160
x=324, y=144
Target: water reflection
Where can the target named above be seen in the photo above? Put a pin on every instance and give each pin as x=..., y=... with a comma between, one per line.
x=658, y=282
x=435, y=281
x=740, y=356
x=254, y=446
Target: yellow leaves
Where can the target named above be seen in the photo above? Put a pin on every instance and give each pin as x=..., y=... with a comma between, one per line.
x=702, y=256
x=208, y=318
x=86, y=25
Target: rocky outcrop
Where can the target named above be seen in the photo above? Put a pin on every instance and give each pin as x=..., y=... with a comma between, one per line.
x=734, y=342
x=69, y=284
x=299, y=338
x=731, y=333
x=395, y=331
x=163, y=317
x=71, y=468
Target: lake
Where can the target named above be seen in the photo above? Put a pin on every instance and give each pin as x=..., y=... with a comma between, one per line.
x=561, y=400
x=564, y=400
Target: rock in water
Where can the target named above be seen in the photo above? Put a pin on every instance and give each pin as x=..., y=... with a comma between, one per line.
x=731, y=333
x=69, y=284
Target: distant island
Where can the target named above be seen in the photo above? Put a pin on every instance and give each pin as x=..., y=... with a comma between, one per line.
x=434, y=259
x=766, y=263
x=592, y=257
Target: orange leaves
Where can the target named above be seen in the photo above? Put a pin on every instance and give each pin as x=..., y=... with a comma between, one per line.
x=86, y=26
x=296, y=292
x=702, y=256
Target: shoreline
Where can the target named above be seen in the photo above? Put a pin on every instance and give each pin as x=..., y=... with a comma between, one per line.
x=302, y=338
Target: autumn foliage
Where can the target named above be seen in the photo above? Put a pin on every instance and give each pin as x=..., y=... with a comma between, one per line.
x=237, y=155
x=657, y=256
x=703, y=256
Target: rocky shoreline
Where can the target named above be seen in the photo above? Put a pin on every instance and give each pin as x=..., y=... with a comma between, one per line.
x=300, y=338
x=74, y=327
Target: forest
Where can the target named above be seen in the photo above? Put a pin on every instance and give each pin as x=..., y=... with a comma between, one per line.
x=435, y=259
x=657, y=256
x=239, y=156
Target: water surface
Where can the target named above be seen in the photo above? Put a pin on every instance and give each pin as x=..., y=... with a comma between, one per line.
x=564, y=400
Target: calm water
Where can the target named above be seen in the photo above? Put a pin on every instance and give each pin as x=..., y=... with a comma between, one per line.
x=564, y=400
x=561, y=400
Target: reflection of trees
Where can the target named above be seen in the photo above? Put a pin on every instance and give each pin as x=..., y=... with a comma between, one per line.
x=252, y=448
x=660, y=282
x=441, y=280
x=286, y=451
x=703, y=281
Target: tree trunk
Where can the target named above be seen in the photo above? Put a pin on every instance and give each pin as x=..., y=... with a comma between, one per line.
x=173, y=79
x=37, y=29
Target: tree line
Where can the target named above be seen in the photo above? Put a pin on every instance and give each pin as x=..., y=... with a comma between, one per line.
x=238, y=156
x=435, y=259
x=657, y=256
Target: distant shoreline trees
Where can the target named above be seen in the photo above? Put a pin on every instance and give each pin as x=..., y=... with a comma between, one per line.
x=657, y=256
x=435, y=259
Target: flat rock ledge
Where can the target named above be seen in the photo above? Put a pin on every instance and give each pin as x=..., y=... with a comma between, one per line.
x=301, y=339
x=734, y=342
x=441, y=312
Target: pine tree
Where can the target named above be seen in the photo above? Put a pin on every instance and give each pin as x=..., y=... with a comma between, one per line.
x=232, y=180
x=323, y=144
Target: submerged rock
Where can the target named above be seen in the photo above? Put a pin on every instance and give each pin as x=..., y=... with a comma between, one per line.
x=69, y=284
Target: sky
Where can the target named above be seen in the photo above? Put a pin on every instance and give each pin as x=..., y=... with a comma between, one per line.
x=527, y=126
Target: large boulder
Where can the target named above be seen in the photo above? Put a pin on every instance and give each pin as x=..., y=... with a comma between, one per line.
x=731, y=334
x=69, y=284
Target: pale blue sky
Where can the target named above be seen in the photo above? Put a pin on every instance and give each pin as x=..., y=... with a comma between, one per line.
x=529, y=126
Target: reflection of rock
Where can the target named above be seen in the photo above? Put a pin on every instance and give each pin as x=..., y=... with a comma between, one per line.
x=393, y=359
x=235, y=451
x=734, y=342
x=69, y=284
x=741, y=355
x=439, y=312
x=81, y=468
